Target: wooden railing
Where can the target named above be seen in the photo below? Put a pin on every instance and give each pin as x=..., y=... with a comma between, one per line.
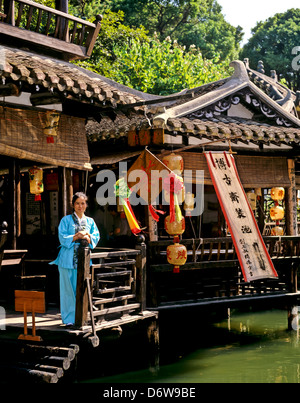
x=212, y=271
x=53, y=24
x=112, y=287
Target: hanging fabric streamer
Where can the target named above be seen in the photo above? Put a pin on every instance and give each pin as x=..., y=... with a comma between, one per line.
x=174, y=185
x=154, y=213
x=123, y=192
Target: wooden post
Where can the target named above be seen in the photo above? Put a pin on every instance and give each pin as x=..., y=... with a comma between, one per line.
x=141, y=281
x=152, y=225
x=69, y=190
x=15, y=216
x=291, y=201
x=83, y=272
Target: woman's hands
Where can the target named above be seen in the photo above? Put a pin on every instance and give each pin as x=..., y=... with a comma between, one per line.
x=82, y=235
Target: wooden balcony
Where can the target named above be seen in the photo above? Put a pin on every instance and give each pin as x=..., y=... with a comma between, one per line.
x=212, y=273
x=50, y=32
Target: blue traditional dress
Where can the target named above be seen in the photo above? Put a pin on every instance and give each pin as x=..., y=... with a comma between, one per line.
x=67, y=260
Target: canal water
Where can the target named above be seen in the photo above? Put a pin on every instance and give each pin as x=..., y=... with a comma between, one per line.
x=252, y=347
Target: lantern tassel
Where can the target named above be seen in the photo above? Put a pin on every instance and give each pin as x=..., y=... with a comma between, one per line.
x=154, y=212
x=37, y=198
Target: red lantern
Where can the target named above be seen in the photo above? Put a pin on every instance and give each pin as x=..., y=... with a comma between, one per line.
x=177, y=256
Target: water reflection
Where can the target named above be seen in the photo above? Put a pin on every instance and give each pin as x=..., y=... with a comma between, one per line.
x=251, y=348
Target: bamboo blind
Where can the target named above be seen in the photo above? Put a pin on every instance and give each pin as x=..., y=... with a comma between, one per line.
x=22, y=136
x=254, y=172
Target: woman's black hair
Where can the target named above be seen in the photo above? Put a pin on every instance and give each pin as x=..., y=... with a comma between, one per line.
x=77, y=195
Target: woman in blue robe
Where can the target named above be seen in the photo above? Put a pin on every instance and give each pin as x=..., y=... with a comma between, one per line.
x=71, y=230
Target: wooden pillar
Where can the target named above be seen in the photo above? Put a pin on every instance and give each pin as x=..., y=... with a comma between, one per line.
x=153, y=345
x=152, y=225
x=141, y=282
x=83, y=273
x=69, y=190
x=291, y=201
x=15, y=203
x=62, y=5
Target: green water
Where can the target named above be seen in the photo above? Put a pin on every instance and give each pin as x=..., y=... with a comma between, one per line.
x=252, y=348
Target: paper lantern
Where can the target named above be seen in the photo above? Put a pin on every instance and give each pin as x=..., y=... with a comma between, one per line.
x=276, y=213
x=277, y=231
x=177, y=256
x=277, y=193
x=189, y=204
x=51, y=125
x=36, y=182
x=174, y=162
x=174, y=228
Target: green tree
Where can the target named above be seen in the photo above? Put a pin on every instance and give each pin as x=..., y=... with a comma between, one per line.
x=273, y=42
x=198, y=22
x=165, y=67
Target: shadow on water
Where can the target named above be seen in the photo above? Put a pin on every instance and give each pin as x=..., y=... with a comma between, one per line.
x=253, y=347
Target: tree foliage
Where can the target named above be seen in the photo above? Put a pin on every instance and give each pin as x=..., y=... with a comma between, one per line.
x=272, y=42
x=153, y=45
x=165, y=67
x=190, y=22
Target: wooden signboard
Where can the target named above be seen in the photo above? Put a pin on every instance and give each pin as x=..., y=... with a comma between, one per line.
x=29, y=301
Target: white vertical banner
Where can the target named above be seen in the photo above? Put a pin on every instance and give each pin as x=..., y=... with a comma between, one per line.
x=253, y=256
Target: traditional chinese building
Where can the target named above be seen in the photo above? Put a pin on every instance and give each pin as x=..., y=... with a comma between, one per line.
x=44, y=160
x=254, y=120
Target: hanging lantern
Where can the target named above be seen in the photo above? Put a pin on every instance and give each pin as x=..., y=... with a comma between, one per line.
x=174, y=162
x=36, y=182
x=177, y=256
x=174, y=228
x=277, y=194
x=51, y=125
x=277, y=231
x=276, y=213
x=189, y=204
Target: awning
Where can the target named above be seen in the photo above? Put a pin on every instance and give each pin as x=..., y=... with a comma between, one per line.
x=109, y=159
x=22, y=136
x=254, y=171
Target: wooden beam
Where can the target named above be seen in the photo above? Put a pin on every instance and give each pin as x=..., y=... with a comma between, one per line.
x=43, y=40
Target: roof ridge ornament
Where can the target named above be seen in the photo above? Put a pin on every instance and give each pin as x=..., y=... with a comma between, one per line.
x=240, y=71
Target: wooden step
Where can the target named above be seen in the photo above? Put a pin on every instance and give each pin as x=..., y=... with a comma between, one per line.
x=113, y=290
x=114, y=264
x=99, y=301
x=116, y=309
x=114, y=274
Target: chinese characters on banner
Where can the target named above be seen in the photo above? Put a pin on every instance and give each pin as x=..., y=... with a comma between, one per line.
x=252, y=254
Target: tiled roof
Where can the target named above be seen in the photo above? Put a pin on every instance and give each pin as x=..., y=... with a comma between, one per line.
x=64, y=78
x=222, y=128
x=202, y=112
